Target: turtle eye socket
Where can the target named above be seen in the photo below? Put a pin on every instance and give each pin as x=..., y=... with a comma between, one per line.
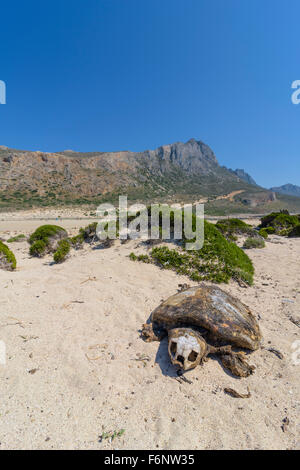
x=173, y=348
x=180, y=359
x=192, y=356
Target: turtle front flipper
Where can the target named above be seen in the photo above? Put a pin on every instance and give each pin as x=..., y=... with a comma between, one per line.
x=152, y=333
x=236, y=363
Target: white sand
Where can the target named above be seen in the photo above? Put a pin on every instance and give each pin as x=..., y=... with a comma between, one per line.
x=78, y=325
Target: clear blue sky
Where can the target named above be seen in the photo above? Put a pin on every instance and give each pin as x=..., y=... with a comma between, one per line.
x=135, y=74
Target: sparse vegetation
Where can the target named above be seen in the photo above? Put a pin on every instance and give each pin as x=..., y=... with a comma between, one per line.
x=17, y=238
x=77, y=241
x=111, y=435
x=7, y=258
x=144, y=258
x=254, y=243
x=89, y=233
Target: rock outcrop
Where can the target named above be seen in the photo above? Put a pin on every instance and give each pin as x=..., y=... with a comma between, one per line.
x=240, y=173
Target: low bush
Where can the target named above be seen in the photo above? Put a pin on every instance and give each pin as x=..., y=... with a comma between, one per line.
x=17, y=238
x=218, y=260
x=45, y=239
x=7, y=258
x=254, y=243
x=263, y=233
x=230, y=228
x=45, y=232
x=281, y=222
x=38, y=249
x=63, y=249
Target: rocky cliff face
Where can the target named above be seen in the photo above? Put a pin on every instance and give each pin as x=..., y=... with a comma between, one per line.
x=180, y=172
x=98, y=172
x=194, y=157
x=240, y=173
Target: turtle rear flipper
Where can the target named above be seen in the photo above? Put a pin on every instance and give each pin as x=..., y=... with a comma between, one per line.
x=237, y=364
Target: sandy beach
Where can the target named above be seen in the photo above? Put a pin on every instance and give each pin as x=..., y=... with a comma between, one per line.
x=76, y=367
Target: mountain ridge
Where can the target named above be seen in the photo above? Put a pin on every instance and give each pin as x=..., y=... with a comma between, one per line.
x=288, y=189
x=178, y=172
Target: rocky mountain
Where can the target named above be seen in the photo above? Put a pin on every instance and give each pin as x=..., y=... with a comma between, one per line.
x=180, y=172
x=99, y=173
x=240, y=173
x=288, y=189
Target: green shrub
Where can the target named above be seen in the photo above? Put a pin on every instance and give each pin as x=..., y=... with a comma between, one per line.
x=235, y=224
x=144, y=258
x=232, y=227
x=263, y=233
x=254, y=243
x=7, y=258
x=218, y=260
x=17, y=238
x=133, y=256
x=45, y=239
x=62, y=251
x=281, y=222
x=38, y=249
x=45, y=232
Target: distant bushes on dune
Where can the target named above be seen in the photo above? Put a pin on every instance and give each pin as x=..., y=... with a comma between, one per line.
x=55, y=240
x=280, y=223
x=231, y=228
x=219, y=260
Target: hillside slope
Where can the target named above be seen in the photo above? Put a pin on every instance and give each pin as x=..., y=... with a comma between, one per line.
x=180, y=172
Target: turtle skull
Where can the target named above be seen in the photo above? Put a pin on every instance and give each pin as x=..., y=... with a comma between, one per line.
x=186, y=347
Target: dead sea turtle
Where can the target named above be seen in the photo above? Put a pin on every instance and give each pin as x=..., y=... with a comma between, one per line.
x=205, y=320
